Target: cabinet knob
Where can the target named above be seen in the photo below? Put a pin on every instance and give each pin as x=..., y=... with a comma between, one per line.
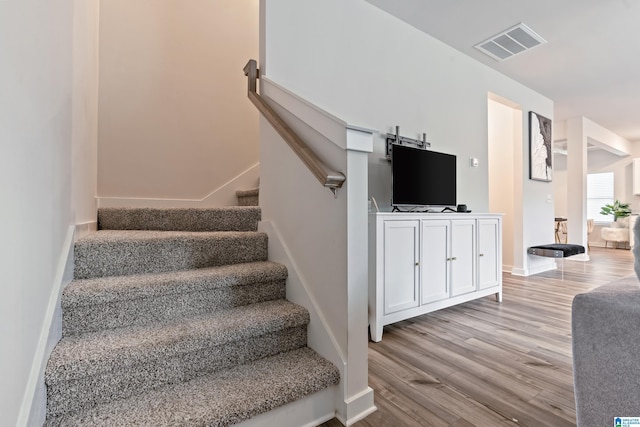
x=453, y=258
x=481, y=255
x=417, y=264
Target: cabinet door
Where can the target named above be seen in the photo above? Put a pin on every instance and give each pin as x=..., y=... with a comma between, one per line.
x=434, y=263
x=489, y=265
x=463, y=244
x=400, y=265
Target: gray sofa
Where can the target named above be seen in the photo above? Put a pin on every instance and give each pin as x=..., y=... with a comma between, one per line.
x=606, y=352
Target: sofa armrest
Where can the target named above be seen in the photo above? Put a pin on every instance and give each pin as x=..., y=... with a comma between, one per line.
x=606, y=352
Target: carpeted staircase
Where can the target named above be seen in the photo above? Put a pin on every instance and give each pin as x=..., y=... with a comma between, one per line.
x=248, y=197
x=176, y=317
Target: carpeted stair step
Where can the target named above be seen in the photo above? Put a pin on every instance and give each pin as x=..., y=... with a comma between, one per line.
x=119, y=253
x=248, y=197
x=233, y=218
x=220, y=399
x=109, y=302
x=90, y=305
x=96, y=368
x=175, y=317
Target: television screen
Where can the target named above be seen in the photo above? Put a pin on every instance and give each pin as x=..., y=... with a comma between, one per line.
x=422, y=177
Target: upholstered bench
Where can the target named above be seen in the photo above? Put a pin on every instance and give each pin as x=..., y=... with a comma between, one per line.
x=556, y=250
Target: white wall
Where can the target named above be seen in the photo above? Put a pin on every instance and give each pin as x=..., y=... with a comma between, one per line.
x=327, y=270
x=175, y=122
x=36, y=41
x=501, y=173
x=560, y=185
x=371, y=69
x=85, y=110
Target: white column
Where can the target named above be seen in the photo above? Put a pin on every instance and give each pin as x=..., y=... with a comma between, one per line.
x=358, y=396
x=577, y=183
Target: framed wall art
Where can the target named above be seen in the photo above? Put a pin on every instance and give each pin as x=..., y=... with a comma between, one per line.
x=540, y=150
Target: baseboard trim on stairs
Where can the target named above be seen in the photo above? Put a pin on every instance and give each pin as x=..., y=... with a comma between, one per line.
x=34, y=403
x=225, y=195
x=357, y=408
x=320, y=337
x=85, y=228
x=310, y=411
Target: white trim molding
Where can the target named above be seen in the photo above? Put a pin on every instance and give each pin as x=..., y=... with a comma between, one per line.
x=34, y=403
x=224, y=195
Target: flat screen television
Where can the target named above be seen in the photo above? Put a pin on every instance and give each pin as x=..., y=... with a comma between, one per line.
x=422, y=177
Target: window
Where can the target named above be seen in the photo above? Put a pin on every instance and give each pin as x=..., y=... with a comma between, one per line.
x=599, y=193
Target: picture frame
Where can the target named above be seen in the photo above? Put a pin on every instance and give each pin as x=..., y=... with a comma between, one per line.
x=540, y=148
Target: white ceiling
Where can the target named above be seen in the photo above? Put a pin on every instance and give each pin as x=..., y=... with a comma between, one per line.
x=590, y=65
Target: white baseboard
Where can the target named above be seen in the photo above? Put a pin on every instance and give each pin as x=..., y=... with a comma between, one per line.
x=310, y=411
x=321, y=338
x=85, y=228
x=540, y=268
x=357, y=408
x=518, y=272
x=225, y=195
x=34, y=403
x=314, y=410
x=507, y=268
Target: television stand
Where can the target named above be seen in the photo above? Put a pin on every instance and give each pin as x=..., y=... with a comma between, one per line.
x=419, y=263
x=447, y=209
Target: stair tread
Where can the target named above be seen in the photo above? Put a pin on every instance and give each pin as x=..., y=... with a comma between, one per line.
x=248, y=193
x=125, y=252
x=103, y=351
x=220, y=399
x=123, y=236
x=241, y=218
x=100, y=290
x=176, y=317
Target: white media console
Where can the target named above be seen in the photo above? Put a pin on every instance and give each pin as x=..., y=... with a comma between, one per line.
x=422, y=262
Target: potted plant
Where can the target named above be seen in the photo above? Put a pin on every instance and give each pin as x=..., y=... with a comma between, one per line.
x=618, y=210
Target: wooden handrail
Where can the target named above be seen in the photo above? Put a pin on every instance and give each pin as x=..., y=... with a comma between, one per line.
x=327, y=177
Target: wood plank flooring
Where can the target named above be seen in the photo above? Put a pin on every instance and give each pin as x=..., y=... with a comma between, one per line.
x=484, y=363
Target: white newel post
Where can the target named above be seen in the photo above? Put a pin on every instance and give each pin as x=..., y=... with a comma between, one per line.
x=358, y=395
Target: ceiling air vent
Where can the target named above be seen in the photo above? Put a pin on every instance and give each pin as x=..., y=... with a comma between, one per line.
x=510, y=42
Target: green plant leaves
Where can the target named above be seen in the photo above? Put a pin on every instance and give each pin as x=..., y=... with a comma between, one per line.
x=617, y=209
